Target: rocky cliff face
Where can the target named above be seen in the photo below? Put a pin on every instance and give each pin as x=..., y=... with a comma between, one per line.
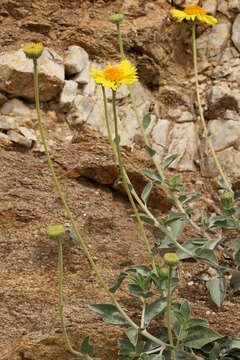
x=160, y=48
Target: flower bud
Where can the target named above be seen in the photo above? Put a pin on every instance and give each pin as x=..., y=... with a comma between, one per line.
x=163, y=272
x=116, y=18
x=56, y=232
x=33, y=50
x=171, y=259
x=227, y=199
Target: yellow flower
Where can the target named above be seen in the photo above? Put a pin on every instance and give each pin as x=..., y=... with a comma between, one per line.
x=33, y=50
x=113, y=77
x=192, y=13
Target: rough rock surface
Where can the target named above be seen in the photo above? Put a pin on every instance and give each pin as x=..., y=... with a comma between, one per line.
x=17, y=74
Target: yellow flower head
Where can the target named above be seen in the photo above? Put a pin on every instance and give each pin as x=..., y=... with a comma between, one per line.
x=33, y=50
x=113, y=77
x=193, y=13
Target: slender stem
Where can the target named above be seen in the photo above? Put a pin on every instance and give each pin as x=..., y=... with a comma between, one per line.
x=170, y=337
x=60, y=299
x=125, y=178
x=206, y=132
x=143, y=313
x=120, y=41
x=80, y=241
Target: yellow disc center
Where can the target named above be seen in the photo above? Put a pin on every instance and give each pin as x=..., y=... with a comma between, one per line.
x=114, y=74
x=194, y=10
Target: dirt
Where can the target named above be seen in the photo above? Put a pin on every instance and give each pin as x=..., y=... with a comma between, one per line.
x=30, y=326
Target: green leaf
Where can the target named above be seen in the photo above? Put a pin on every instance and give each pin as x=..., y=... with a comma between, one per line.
x=86, y=347
x=185, y=199
x=173, y=216
x=177, y=227
x=146, y=192
x=196, y=322
x=198, y=336
x=185, y=309
x=237, y=257
x=154, y=309
x=152, y=175
x=217, y=287
x=168, y=160
x=207, y=254
x=140, y=269
x=146, y=120
x=150, y=151
x=136, y=290
x=146, y=219
x=118, y=282
x=132, y=334
x=222, y=222
x=109, y=313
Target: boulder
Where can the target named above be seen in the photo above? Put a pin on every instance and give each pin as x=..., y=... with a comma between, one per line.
x=17, y=74
x=76, y=60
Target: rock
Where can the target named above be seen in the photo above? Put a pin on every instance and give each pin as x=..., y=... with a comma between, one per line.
x=89, y=88
x=17, y=74
x=81, y=109
x=234, y=5
x=221, y=98
x=42, y=28
x=19, y=139
x=83, y=77
x=68, y=94
x=3, y=99
x=7, y=123
x=27, y=133
x=229, y=160
x=76, y=60
x=236, y=32
x=211, y=6
x=16, y=107
x=224, y=133
x=210, y=45
x=184, y=142
x=160, y=137
x=4, y=140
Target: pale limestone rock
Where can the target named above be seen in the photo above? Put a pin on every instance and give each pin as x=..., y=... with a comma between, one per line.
x=219, y=91
x=234, y=5
x=210, y=6
x=223, y=6
x=236, y=32
x=181, y=115
x=16, y=107
x=224, y=133
x=160, y=137
x=17, y=74
x=76, y=60
x=68, y=93
x=184, y=142
x=229, y=160
x=81, y=109
x=89, y=88
x=83, y=77
x=19, y=139
x=121, y=94
x=7, y=123
x=186, y=116
x=213, y=43
x=4, y=140
x=28, y=133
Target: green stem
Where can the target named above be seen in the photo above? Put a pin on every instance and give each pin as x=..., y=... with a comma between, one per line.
x=80, y=241
x=125, y=178
x=120, y=41
x=143, y=313
x=170, y=337
x=60, y=299
x=206, y=132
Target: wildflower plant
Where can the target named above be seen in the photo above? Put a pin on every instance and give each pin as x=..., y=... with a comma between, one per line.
x=153, y=286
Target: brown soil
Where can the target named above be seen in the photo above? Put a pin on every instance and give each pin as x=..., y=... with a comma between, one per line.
x=30, y=327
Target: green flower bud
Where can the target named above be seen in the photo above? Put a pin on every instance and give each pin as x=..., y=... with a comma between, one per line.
x=33, y=50
x=116, y=18
x=171, y=259
x=163, y=272
x=56, y=232
x=227, y=199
